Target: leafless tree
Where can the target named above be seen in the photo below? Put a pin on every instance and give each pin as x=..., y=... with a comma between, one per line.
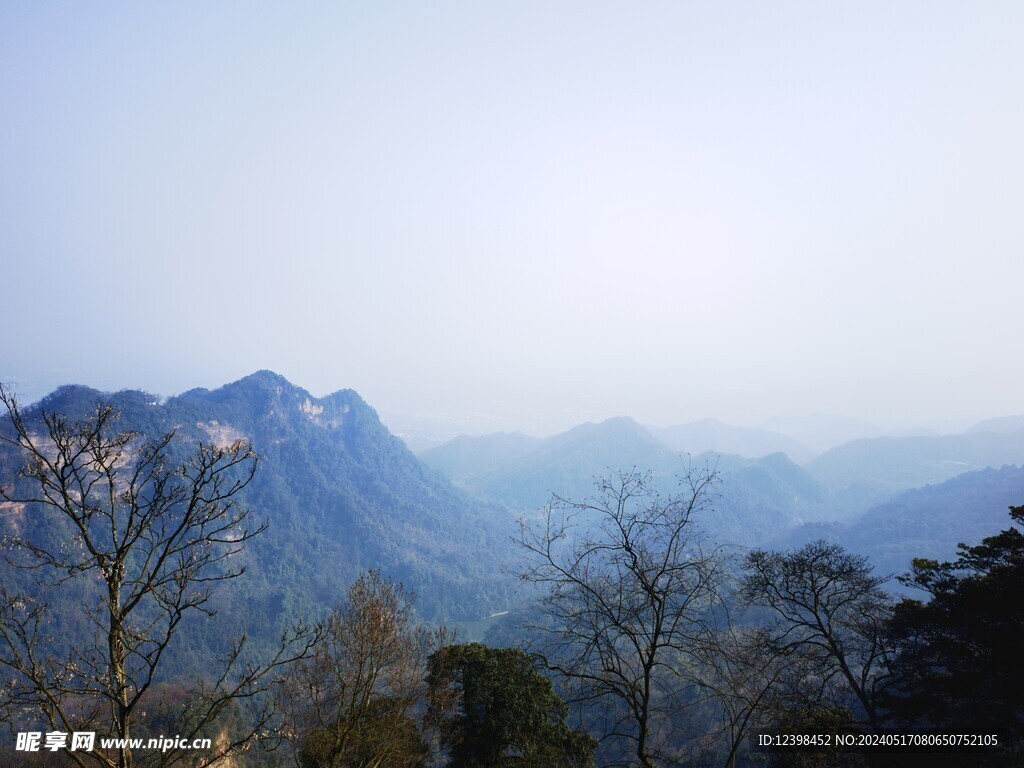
x=355, y=702
x=830, y=607
x=741, y=668
x=629, y=586
x=142, y=540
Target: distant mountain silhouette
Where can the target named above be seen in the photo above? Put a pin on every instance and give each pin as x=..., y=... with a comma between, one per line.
x=926, y=522
x=1003, y=424
x=712, y=435
x=882, y=466
x=567, y=463
x=757, y=497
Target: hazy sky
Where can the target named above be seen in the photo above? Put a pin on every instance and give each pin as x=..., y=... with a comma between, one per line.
x=527, y=213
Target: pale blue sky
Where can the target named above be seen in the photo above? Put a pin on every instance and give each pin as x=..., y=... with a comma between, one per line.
x=530, y=214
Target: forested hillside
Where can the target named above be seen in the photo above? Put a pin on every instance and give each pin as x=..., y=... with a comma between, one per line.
x=924, y=522
x=338, y=492
x=677, y=607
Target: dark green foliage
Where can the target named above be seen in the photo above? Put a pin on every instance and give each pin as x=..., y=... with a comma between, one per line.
x=493, y=709
x=401, y=743
x=806, y=719
x=959, y=663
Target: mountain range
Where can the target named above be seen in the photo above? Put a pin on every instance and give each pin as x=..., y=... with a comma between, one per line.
x=761, y=499
x=341, y=494
x=883, y=466
x=924, y=522
x=757, y=498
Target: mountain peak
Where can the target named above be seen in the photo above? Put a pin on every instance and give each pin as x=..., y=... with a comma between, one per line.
x=78, y=401
x=262, y=387
x=70, y=392
x=345, y=397
x=616, y=425
x=263, y=379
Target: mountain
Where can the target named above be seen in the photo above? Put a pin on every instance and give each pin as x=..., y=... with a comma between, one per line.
x=925, y=522
x=530, y=470
x=757, y=498
x=568, y=463
x=1003, y=424
x=340, y=494
x=883, y=466
x=710, y=435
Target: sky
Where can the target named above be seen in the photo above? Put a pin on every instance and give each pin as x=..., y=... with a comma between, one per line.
x=521, y=215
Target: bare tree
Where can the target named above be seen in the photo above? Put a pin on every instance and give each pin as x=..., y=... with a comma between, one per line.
x=140, y=539
x=629, y=587
x=741, y=668
x=355, y=701
x=830, y=607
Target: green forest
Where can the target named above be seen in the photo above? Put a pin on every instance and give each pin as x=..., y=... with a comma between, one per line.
x=146, y=593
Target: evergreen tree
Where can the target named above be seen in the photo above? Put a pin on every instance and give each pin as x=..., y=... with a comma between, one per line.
x=493, y=709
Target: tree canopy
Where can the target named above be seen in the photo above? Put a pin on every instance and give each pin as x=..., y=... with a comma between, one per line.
x=959, y=652
x=354, y=702
x=493, y=709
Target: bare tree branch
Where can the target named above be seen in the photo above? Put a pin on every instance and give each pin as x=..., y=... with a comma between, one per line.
x=144, y=537
x=828, y=605
x=629, y=585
